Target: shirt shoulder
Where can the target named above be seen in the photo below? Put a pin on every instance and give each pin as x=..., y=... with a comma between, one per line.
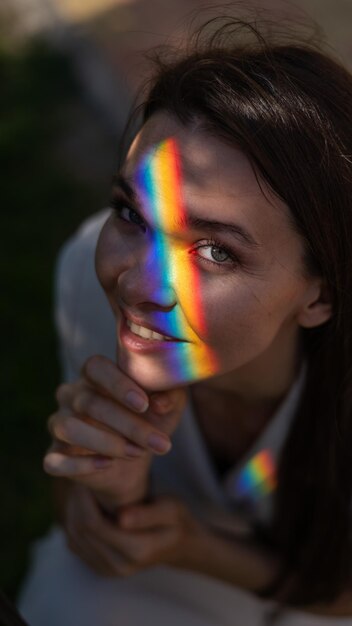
x=82, y=315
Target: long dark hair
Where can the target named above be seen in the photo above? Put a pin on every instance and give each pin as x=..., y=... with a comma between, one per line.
x=288, y=106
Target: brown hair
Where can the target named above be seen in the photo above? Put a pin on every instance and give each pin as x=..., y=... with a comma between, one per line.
x=288, y=106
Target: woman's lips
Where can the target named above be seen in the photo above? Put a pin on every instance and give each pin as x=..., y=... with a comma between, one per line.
x=139, y=344
x=148, y=325
x=147, y=333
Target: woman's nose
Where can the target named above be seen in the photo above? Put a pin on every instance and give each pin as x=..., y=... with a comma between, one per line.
x=147, y=280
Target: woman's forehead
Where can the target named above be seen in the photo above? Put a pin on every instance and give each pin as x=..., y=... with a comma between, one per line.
x=212, y=173
x=217, y=183
x=206, y=162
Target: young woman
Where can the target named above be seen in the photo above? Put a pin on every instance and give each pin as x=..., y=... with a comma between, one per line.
x=230, y=238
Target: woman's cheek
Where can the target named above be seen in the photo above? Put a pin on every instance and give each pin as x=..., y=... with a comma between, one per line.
x=188, y=318
x=237, y=323
x=112, y=256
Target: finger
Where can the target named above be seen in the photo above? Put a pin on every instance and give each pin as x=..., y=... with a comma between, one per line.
x=92, y=537
x=82, y=511
x=71, y=520
x=162, y=512
x=125, y=422
x=57, y=464
x=137, y=548
x=81, y=547
x=131, y=548
x=59, y=446
x=110, y=535
x=68, y=449
x=65, y=392
x=107, y=376
x=83, y=515
x=90, y=406
x=69, y=429
x=109, y=560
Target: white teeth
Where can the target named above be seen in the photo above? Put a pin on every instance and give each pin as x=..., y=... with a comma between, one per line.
x=143, y=332
x=146, y=333
x=158, y=336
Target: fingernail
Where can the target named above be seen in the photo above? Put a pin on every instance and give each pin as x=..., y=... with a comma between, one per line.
x=133, y=450
x=100, y=462
x=158, y=443
x=136, y=401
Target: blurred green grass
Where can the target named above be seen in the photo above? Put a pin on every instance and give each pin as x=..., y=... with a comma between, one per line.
x=43, y=202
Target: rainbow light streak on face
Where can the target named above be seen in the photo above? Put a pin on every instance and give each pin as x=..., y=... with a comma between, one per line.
x=258, y=477
x=158, y=180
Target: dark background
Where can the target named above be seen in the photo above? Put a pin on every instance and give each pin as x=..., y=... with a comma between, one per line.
x=45, y=195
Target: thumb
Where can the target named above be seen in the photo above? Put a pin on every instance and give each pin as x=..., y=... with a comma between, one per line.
x=166, y=409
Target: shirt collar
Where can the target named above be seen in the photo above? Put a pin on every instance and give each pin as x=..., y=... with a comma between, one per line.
x=251, y=483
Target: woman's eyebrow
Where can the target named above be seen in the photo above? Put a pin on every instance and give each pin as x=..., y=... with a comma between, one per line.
x=228, y=228
x=119, y=180
x=194, y=221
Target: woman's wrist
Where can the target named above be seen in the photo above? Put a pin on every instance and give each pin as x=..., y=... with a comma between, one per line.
x=110, y=503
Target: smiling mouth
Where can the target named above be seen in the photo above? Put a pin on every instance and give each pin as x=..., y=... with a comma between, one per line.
x=146, y=333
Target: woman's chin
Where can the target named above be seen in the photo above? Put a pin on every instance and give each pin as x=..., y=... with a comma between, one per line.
x=151, y=376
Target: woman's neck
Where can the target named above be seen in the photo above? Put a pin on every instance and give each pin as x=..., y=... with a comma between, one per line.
x=231, y=421
x=227, y=430
x=257, y=386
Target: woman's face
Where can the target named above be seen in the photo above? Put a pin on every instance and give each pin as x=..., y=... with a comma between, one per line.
x=229, y=294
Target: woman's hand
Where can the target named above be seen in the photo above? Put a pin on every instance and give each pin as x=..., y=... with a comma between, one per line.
x=144, y=535
x=102, y=440
x=163, y=532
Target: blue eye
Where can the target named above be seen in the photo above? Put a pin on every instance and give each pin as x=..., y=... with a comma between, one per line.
x=221, y=256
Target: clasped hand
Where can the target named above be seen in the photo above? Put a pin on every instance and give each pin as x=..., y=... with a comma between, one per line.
x=103, y=440
x=162, y=531
x=103, y=445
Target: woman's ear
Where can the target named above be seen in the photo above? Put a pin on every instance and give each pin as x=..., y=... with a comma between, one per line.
x=317, y=308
